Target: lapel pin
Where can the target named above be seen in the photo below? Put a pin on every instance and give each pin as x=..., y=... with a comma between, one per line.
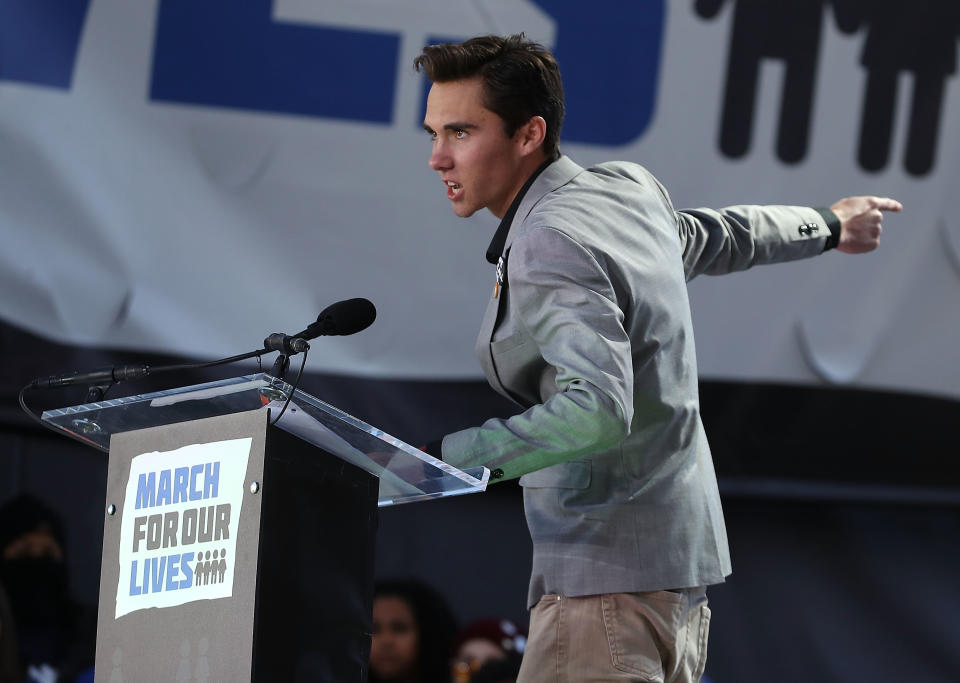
x=501, y=268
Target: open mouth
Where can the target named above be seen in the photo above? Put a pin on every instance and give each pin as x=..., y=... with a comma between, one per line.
x=453, y=188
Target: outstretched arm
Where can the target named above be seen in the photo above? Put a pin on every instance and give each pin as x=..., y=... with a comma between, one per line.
x=719, y=241
x=722, y=241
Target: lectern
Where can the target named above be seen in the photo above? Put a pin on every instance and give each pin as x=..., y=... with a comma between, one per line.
x=238, y=546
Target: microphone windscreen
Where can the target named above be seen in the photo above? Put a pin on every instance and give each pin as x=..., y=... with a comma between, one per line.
x=342, y=318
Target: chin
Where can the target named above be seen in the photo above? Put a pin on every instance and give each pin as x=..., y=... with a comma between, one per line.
x=464, y=211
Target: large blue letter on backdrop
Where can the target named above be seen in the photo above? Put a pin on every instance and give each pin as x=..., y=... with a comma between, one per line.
x=39, y=40
x=230, y=53
x=609, y=54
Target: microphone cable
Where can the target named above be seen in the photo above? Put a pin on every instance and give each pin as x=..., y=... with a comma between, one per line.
x=39, y=421
x=296, y=384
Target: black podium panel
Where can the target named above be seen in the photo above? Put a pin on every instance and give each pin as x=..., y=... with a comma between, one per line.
x=315, y=587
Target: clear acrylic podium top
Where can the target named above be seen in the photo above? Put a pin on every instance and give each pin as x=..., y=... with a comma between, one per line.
x=406, y=474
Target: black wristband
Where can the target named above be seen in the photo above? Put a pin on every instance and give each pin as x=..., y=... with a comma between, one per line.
x=833, y=223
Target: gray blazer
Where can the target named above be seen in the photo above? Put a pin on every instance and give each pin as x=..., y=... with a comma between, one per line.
x=591, y=334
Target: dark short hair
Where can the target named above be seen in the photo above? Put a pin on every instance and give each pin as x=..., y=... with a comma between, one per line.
x=27, y=513
x=520, y=78
x=435, y=622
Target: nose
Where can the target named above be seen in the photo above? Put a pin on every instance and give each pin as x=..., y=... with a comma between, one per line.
x=440, y=160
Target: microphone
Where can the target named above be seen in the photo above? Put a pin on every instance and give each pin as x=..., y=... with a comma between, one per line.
x=340, y=319
x=118, y=373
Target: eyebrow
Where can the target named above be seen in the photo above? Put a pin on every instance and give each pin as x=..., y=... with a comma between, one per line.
x=455, y=125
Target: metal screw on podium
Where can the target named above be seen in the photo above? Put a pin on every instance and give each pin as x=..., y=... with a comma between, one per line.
x=111, y=509
x=254, y=487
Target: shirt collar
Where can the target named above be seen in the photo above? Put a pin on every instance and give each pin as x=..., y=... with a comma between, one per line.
x=495, y=250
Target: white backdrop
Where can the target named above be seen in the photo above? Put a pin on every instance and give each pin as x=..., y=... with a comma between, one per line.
x=132, y=222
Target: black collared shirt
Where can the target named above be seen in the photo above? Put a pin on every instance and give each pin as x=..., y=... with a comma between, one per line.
x=495, y=250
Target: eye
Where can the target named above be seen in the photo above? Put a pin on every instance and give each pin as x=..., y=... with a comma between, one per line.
x=460, y=133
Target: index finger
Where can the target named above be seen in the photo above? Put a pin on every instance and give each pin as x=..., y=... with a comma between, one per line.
x=886, y=204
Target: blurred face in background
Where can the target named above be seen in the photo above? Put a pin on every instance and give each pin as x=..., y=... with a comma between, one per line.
x=393, y=649
x=472, y=655
x=37, y=543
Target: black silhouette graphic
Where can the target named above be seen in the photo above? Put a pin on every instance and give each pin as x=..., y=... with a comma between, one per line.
x=210, y=570
x=788, y=30
x=202, y=571
x=919, y=36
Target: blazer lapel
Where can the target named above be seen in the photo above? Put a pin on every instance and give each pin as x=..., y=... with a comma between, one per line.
x=553, y=176
x=483, y=340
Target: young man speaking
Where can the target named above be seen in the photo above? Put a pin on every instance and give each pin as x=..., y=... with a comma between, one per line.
x=588, y=329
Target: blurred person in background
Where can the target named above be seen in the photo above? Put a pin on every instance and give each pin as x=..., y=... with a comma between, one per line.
x=489, y=646
x=55, y=637
x=413, y=631
x=503, y=670
x=10, y=671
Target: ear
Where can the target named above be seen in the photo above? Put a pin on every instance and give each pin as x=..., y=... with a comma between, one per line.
x=530, y=136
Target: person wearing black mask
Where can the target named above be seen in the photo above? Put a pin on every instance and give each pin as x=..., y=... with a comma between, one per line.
x=51, y=643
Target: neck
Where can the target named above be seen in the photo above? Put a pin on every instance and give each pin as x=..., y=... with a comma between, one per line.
x=526, y=169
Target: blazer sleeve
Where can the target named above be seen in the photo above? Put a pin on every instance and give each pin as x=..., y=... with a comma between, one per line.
x=565, y=305
x=720, y=241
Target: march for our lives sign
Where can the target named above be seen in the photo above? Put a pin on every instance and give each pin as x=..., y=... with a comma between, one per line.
x=178, y=535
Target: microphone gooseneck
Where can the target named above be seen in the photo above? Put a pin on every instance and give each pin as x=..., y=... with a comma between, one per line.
x=339, y=319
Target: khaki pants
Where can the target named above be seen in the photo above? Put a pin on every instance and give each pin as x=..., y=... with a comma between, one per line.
x=656, y=637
